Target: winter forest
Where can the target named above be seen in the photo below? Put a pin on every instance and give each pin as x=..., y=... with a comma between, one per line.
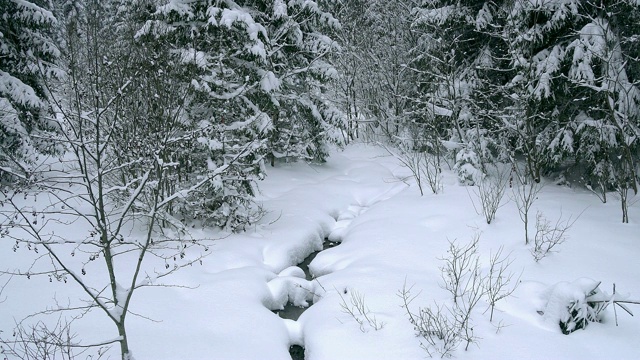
x=418, y=178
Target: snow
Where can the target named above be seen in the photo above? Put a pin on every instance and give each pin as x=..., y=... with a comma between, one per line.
x=18, y=91
x=231, y=16
x=212, y=144
x=269, y=81
x=591, y=43
x=279, y=9
x=179, y=7
x=438, y=110
x=562, y=294
x=484, y=17
x=437, y=16
x=390, y=235
x=290, y=289
x=32, y=12
x=199, y=58
x=547, y=63
x=558, y=7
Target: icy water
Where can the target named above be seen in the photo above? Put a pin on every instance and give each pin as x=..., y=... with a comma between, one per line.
x=293, y=312
x=296, y=352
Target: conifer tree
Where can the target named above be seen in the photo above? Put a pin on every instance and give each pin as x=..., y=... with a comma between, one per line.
x=28, y=57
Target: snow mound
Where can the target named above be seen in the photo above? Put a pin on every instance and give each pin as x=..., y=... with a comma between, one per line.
x=292, y=271
x=291, y=289
x=571, y=304
x=295, y=332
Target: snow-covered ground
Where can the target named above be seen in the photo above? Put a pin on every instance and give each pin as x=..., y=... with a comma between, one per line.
x=390, y=236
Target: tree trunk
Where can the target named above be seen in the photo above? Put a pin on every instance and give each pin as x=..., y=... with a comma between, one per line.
x=124, y=344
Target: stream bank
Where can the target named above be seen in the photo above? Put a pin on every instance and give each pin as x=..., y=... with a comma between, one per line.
x=291, y=311
x=295, y=307
x=295, y=289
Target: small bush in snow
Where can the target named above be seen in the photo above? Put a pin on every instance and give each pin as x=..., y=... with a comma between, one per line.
x=44, y=342
x=437, y=326
x=461, y=268
x=574, y=305
x=462, y=278
x=549, y=235
x=425, y=168
x=490, y=192
x=497, y=280
x=359, y=311
x=468, y=167
x=432, y=170
x=444, y=327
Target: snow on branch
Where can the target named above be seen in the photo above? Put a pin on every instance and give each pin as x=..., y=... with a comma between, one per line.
x=34, y=13
x=18, y=91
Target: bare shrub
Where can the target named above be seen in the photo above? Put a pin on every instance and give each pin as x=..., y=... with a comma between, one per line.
x=414, y=162
x=549, y=235
x=436, y=326
x=425, y=168
x=444, y=327
x=462, y=278
x=45, y=342
x=599, y=190
x=359, y=311
x=497, y=281
x=459, y=264
x=490, y=191
x=473, y=293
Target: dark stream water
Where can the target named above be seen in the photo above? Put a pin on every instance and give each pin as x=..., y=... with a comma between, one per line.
x=293, y=312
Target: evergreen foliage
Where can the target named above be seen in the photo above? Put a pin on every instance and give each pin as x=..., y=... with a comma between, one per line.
x=554, y=83
x=243, y=83
x=27, y=59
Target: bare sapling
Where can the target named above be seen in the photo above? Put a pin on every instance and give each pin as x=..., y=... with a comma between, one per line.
x=622, y=190
x=88, y=259
x=432, y=168
x=433, y=172
x=411, y=161
x=599, y=190
x=525, y=193
x=115, y=194
x=463, y=279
